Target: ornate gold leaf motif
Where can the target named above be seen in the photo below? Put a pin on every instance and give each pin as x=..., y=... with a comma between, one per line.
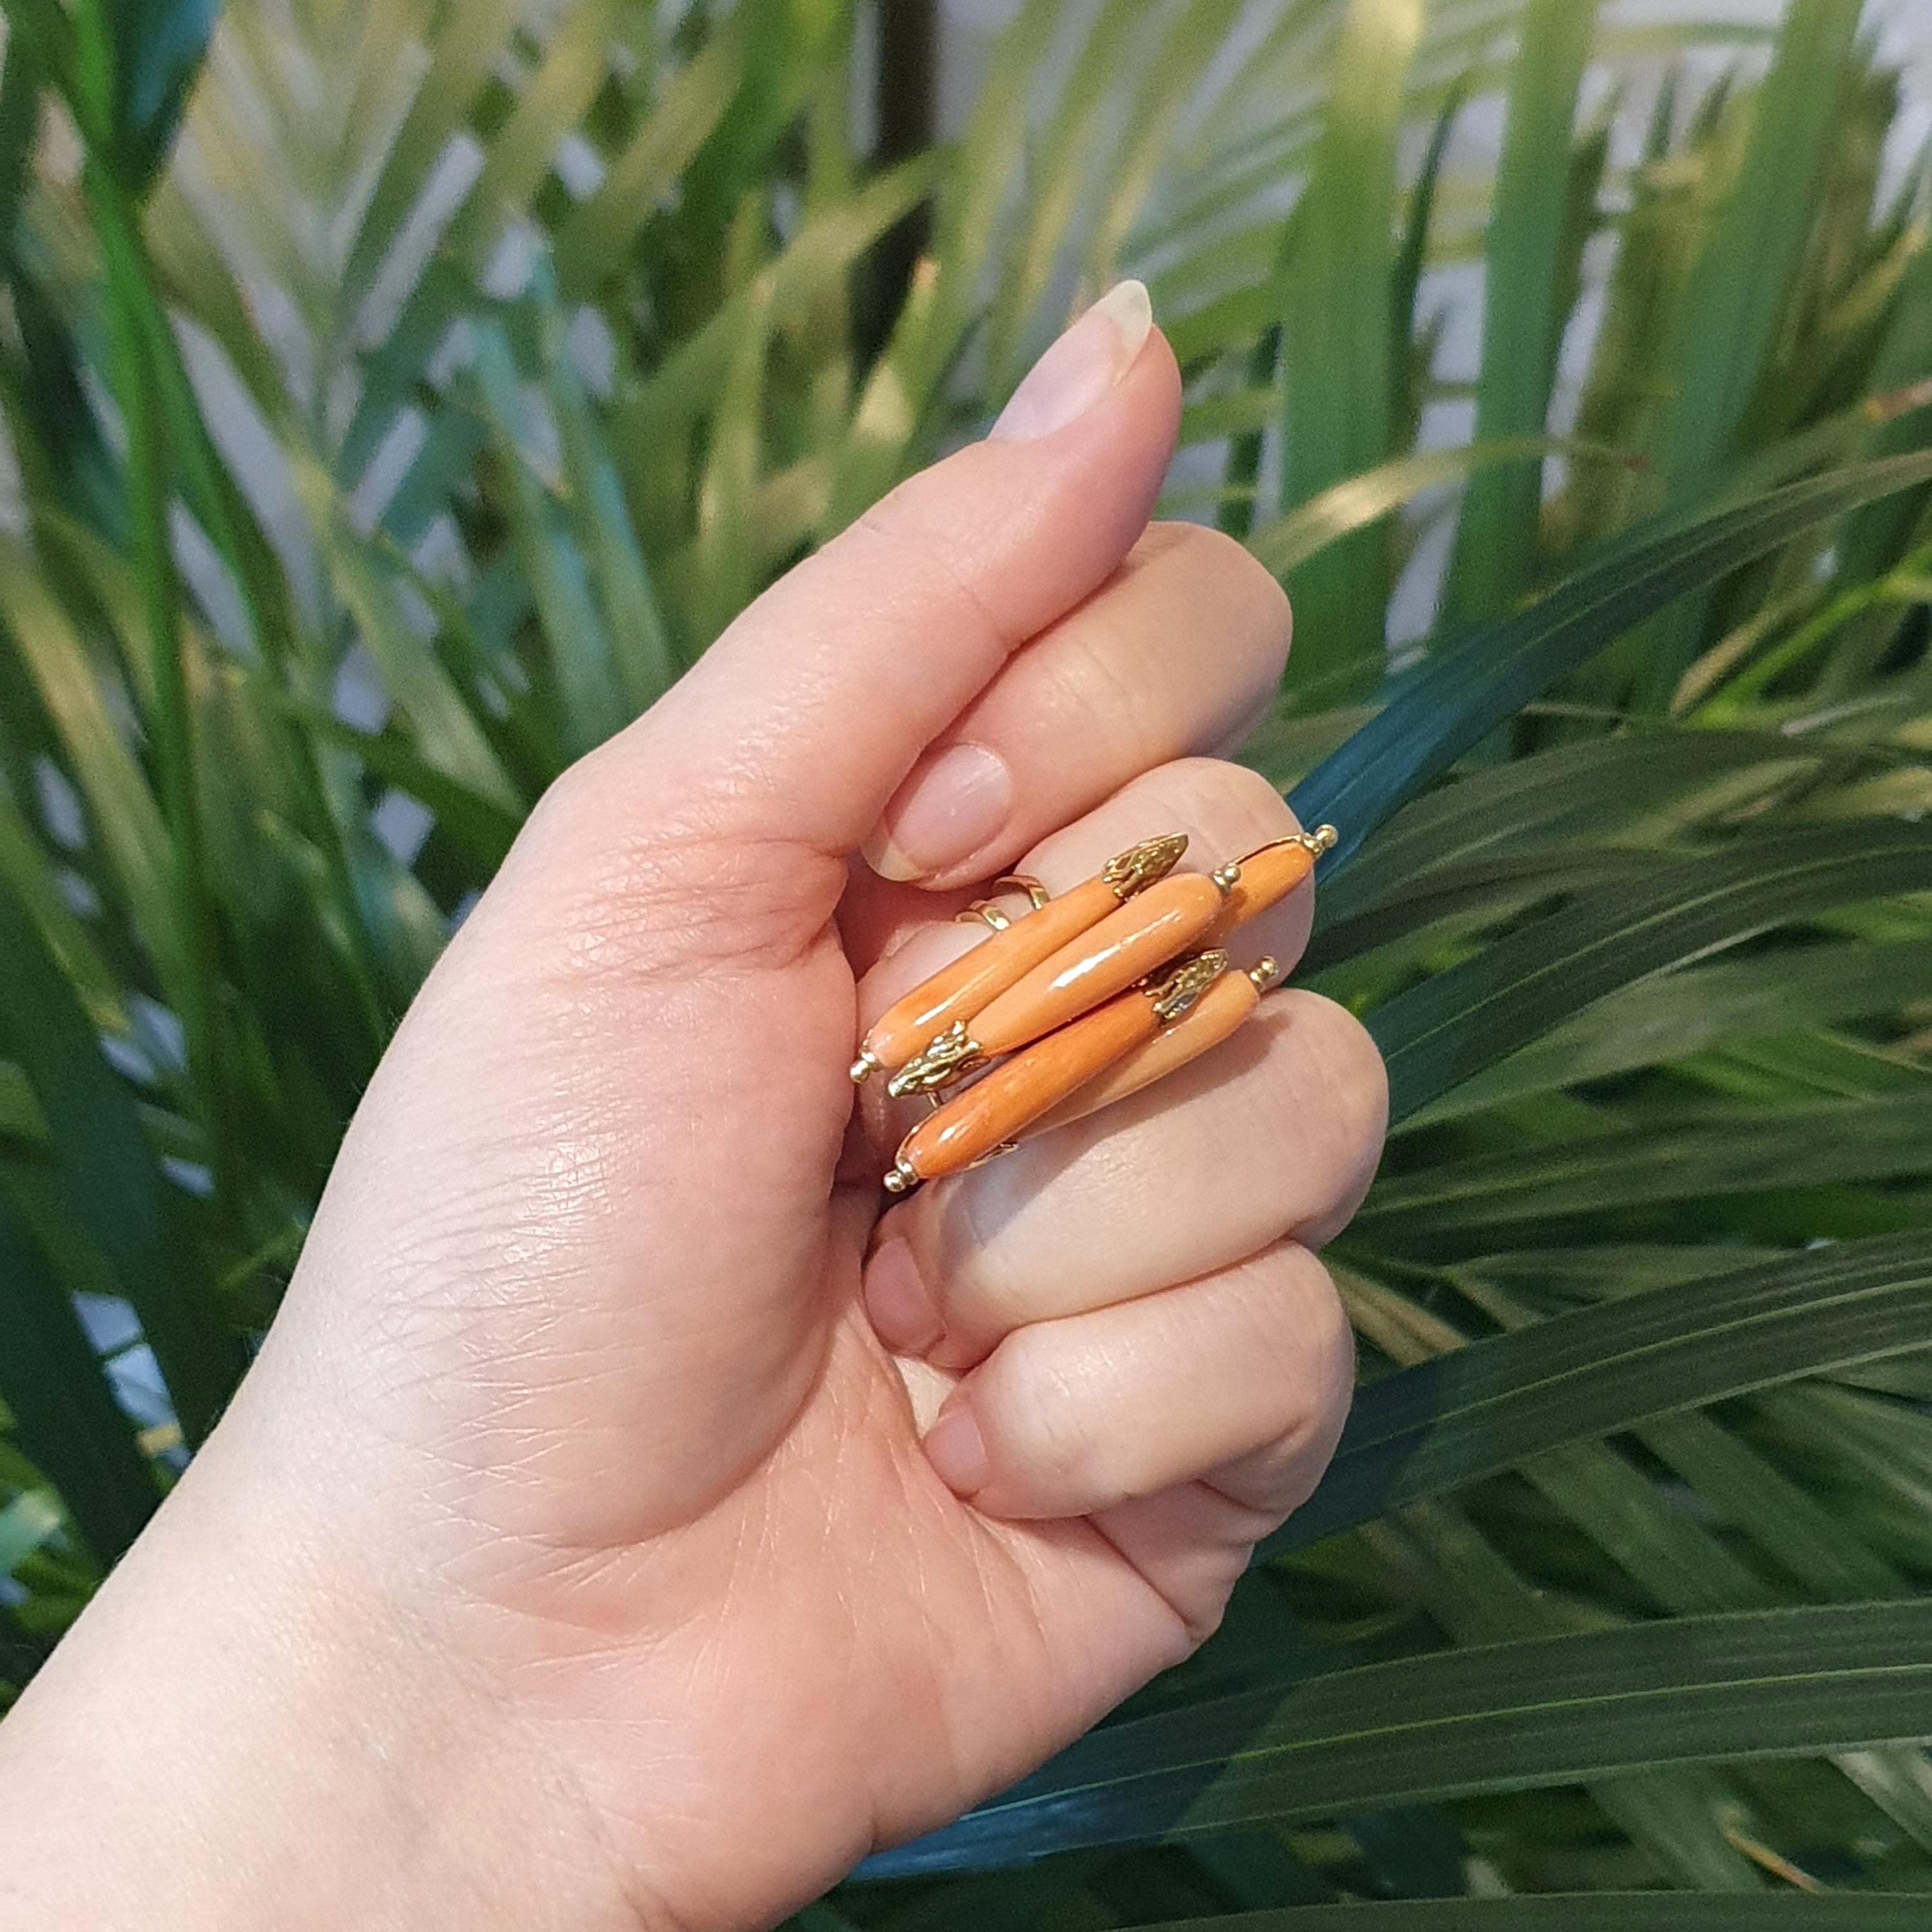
x=1139, y=866
x=953, y=1055
x=1183, y=983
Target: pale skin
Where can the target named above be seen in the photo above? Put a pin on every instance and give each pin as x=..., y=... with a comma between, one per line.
x=571, y=1557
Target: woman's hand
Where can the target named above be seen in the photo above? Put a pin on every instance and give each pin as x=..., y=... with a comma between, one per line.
x=572, y=1556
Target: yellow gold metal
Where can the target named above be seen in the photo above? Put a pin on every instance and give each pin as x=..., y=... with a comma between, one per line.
x=1227, y=877
x=1142, y=866
x=991, y=911
x=1322, y=839
x=1181, y=986
x=950, y=1057
x=901, y=1180
x=1266, y=974
x=1035, y=892
x=865, y=1065
x=983, y=909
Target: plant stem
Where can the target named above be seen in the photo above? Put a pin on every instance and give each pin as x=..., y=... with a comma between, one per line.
x=1904, y=583
x=193, y=993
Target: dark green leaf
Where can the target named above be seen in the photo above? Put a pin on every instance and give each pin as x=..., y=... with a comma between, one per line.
x=1445, y=1423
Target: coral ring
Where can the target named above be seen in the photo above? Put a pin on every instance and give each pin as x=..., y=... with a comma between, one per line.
x=1081, y=1000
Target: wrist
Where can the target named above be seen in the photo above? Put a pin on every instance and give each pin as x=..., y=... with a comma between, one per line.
x=258, y=1722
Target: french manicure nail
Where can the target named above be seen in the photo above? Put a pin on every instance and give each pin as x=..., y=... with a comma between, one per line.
x=1081, y=368
x=956, y=1449
x=942, y=813
x=903, y=1314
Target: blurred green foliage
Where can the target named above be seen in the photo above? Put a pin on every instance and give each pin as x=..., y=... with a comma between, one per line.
x=401, y=422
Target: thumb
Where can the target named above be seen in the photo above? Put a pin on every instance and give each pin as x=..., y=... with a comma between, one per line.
x=800, y=722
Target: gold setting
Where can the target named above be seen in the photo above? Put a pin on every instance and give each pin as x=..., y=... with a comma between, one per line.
x=986, y=910
x=1142, y=865
x=950, y=1057
x=1036, y=894
x=991, y=913
x=1182, y=984
x=1172, y=990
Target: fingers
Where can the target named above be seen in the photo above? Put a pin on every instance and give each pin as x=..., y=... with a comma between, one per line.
x=1174, y=655
x=801, y=721
x=1241, y=1377
x=1225, y=809
x=1274, y=1133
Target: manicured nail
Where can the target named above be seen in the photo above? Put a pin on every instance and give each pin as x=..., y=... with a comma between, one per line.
x=956, y=1449
x=904, y=1314
x=943, y=813
x=1081, y=368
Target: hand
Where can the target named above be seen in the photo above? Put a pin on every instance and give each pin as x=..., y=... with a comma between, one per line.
x=571, y=1555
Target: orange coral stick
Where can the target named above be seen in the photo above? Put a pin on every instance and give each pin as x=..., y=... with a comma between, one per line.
x=1268, y=876
x=1164, y=921
x=977, y=978
x=1220, y=1012
x=986, y=1116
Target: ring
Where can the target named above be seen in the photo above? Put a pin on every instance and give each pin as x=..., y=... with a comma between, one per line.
x=1079, y=1001
x=989, y=910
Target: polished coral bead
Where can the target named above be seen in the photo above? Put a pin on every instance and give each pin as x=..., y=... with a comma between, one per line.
x=993, y=1110
x=1144, y=934
x=977, y=978
x=1221, y=1011
x=991, y=1113
x=1268, y=876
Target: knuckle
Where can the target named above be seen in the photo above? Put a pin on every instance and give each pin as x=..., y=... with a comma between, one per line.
x=1102, y=683
x=1215, y=553
x=1352, y=1080
x=1327, y=1334
x=1239, y=580
x=1298, y=1325
x=1043, y=1401
x=1227, y=799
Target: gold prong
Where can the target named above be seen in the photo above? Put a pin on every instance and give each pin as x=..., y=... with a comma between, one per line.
x=1142, y=866
x=1037, y=894
x=953, y=1055
x=986, y=911
x=900, y=1179
x=1227, y=877
x=1179, y=985
x=1266, y=974
x=1323, y=838
x=861, y=1068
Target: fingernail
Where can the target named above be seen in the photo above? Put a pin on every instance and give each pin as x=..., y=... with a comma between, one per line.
x=904, y=1314
x=942, y=813
x=1081, y=368
x=956, y=1449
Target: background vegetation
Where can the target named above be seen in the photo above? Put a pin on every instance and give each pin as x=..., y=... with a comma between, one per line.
x=399, y=424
